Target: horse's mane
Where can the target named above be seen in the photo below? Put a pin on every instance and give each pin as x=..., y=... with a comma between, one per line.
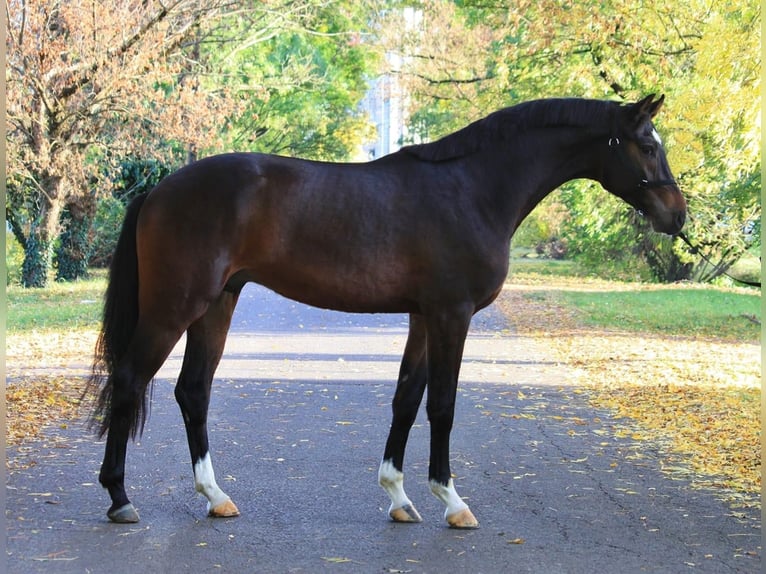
x=505, y=123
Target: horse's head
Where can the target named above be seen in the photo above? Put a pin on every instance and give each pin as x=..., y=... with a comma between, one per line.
x=637, y=171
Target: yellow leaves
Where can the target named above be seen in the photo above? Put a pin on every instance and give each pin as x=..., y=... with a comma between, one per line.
x=32, y=404
x=57, y=351
x=34, y=400
x=699, y=400
x=626, y=491
x=716, y=429
x=629, y=433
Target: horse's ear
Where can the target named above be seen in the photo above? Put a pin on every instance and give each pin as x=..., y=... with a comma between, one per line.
x=652, y=106
x=645, y=109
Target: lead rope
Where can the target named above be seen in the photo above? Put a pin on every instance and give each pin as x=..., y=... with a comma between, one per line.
x=696, y=251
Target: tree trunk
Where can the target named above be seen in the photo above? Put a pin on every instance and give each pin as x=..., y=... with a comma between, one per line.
x=38, y=248
x=34, y=270
x=657, y=251
x=74, y=249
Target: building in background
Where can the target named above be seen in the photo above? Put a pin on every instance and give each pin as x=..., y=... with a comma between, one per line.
x=386, y=102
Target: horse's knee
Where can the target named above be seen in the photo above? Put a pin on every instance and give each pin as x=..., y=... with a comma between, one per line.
x=180, y=395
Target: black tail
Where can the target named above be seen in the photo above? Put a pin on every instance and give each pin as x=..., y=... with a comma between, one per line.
x=119, y=322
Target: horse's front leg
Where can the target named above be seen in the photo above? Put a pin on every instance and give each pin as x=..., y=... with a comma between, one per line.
x=409, y=393
x=446, y=333
x=204, y=347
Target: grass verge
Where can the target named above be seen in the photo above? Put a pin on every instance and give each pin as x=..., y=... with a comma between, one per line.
x=684, y=311
x=50, y=339
x=58, y=307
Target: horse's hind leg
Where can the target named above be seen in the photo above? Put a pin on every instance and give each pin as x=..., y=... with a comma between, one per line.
x=204, y=346
x=147, y=352
x=409, y=394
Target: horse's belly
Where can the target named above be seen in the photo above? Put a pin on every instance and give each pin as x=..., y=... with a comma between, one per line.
x=334, y=290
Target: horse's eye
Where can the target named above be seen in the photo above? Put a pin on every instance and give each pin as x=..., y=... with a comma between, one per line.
x=648, y=150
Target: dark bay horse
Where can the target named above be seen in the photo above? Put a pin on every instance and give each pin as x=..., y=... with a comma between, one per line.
x=424, y=231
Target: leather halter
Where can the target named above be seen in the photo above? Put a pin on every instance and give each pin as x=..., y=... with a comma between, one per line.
x=645, y=184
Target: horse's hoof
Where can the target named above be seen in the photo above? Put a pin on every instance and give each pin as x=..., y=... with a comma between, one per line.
x=406, y=513
x=463, y=519
x=226, y=509
x=126, y=514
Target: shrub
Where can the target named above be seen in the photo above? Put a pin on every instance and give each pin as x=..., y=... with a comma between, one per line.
x=106, y=228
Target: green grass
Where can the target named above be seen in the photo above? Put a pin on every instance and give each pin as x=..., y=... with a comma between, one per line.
x=545, y=267
x=667, y=310
x=691, y=312
x=60, y=306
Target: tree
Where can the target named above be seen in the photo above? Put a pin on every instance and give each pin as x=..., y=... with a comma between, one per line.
x=93, y=83
x=131, y=178
x=90, y=81
x=714, y=135
x=312, y=76
x=445, y=62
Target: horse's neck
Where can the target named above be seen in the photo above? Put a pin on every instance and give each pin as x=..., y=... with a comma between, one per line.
x=534, y=168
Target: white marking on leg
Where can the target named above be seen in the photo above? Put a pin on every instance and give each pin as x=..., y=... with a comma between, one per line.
x=204, y=483
x=448, y=495
x=392, y=481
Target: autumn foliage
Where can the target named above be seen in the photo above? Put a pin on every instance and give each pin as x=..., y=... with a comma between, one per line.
x=93, y=83
x=460, y=59
x=90, y=84
x=90, y=81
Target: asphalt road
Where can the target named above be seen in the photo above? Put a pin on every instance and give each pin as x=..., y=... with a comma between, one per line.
x=298, y=420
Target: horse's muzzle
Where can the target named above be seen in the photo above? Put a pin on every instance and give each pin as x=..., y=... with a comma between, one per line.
x=666, y=208
x=669, y=223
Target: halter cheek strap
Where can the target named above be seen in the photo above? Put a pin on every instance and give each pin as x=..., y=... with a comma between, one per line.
x=644, y=184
